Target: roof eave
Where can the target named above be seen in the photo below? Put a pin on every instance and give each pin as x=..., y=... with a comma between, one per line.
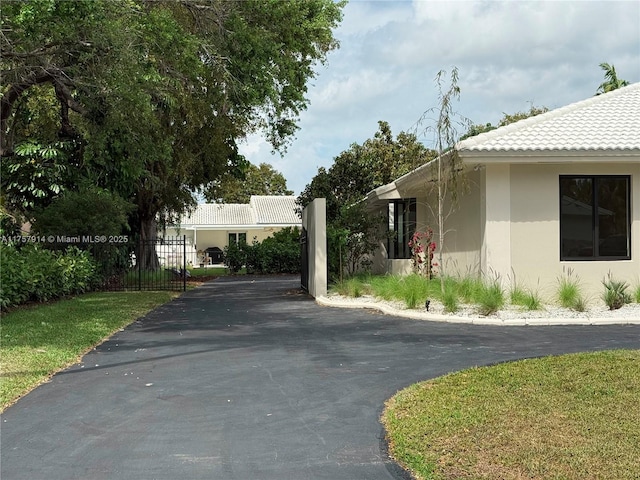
x=550, y=156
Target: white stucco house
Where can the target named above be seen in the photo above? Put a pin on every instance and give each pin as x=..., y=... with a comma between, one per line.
x=211, y=227
x=542, y=196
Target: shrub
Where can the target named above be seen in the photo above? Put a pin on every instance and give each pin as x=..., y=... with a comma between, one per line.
x=615, y=293
x=89, y=211
x=636, y=294
x=32, y=273
x=279, y=253
x=234, y=257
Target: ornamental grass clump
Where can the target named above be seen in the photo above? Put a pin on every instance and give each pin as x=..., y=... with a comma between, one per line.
x=352, y=287
x=450, y=299
x=414, y=290
x=524, y=298
x=615, y=293
x=636, y=294
x=490, y=298
x=570, y=292
x=386, y=287
x=469, y=289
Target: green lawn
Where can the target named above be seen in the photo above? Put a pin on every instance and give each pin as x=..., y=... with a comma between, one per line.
x=567, y=417
x=38, y=340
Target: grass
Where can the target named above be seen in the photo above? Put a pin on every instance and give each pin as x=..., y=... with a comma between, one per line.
x=490, y=298
x=567, y=417
x=414, y=290
x=40, y=340
x=525, y=299
x=570, y=292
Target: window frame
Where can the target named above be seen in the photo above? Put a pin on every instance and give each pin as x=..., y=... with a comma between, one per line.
x=236, y=236
x=409, y=216
x=595, y=219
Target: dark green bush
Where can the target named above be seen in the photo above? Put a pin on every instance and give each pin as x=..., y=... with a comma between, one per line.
x=32, y=273
x=89, y=211
x=235, y=256
x=279, y=253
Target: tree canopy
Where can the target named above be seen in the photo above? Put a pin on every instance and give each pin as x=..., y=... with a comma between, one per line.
x=254, y=180
x=354, y=173
x=147, y=98
x=507, y=119
x=362, y=168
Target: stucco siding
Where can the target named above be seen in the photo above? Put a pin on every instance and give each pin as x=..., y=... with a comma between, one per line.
x=462, y=225
x=535, y=228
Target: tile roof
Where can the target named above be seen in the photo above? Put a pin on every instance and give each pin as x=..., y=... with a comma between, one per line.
x=262, y=210
x=275, y=209
x=608, y=122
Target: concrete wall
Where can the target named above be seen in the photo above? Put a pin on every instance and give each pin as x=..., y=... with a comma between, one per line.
x=314, y=221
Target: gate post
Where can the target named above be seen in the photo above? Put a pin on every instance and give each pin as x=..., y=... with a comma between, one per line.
x=184, y=263
x=314, y=221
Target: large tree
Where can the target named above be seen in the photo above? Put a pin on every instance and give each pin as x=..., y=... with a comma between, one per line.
x=354, y=173
x=253, y=180
x=154, y=95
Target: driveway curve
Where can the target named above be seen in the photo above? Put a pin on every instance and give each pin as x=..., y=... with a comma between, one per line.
x=245, y=378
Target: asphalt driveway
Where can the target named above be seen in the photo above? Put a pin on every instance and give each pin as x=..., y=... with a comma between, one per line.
x=244, y=378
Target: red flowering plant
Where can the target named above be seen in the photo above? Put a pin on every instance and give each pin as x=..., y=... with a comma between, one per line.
x=422, y=249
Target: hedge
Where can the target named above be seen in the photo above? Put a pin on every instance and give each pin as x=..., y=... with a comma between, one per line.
x=30, y=273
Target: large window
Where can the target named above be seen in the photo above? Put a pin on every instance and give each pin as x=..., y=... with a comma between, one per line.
x=402, y=226
x=595, y=217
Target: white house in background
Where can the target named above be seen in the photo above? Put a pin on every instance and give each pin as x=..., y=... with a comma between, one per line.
x=211, y=227
x=547, y=194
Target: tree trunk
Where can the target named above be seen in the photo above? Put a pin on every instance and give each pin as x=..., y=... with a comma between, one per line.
x=441, y=194
x=146, y=254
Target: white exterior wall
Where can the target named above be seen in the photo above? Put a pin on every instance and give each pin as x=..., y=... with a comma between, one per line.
x=463, y=226
x=496, y=241
x=535, y=228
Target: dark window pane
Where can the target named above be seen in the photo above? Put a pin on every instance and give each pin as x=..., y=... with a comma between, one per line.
x=402, y=222
x=576, y=217
x=242, y=238
x=613, y=217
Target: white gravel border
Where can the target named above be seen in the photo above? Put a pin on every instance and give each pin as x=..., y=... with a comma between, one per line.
x=549, y=315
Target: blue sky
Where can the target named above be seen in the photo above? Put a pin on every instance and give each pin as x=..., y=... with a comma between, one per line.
x=510, y=55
